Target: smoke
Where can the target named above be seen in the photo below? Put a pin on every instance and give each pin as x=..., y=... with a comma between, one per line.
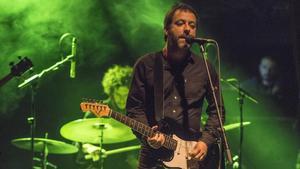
x=138, y=19
x=106, y=32
x=32, y=28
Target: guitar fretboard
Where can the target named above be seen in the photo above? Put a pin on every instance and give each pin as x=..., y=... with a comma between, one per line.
x=6, y=79
x=143, y=129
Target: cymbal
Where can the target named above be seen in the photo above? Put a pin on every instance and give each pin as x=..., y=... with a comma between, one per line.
x=235, y=125
x=89, y=131
x=53, y=146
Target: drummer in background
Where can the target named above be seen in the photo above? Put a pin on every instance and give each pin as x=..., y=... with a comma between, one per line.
x=115, y=82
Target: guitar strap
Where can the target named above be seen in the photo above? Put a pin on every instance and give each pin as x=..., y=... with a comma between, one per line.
x=158, y=85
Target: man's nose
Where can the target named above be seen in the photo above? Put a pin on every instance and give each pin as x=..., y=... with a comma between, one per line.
x=186, y=31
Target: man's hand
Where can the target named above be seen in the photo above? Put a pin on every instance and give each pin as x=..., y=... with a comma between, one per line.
x=157, y=140
x=199, y=152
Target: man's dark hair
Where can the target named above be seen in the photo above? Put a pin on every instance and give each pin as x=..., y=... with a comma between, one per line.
x=269, y=57
x=179, y=6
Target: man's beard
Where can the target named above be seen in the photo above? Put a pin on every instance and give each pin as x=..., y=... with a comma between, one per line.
x=175, y=42
x=175, y=46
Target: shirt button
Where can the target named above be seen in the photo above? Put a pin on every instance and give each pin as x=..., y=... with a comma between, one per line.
x=175, y=97
x=185, y=80
x=174, y=111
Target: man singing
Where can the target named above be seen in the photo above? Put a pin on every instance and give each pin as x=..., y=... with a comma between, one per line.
x=185, y=85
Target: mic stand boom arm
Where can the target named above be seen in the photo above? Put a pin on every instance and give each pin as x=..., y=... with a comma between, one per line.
x=51, y=68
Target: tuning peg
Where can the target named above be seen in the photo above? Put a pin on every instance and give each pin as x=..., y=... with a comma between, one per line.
x=20, y=57
x=11, y=63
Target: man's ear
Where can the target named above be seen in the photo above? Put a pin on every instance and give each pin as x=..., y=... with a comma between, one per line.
x=165, y=34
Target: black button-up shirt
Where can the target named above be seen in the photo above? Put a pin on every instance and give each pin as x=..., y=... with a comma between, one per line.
x=185, y=87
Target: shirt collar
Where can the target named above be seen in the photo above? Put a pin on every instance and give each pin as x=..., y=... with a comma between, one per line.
x=190, y=59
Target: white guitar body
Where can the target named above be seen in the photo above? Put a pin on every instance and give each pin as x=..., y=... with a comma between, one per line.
x=181, y=157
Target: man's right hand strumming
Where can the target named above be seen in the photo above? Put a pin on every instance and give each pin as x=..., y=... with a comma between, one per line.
x=157, y=140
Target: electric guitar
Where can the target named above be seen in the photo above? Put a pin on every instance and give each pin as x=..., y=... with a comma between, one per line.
x=17, y=69
x=179, y=148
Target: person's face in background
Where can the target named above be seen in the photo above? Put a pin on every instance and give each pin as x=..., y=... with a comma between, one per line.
x=267, y=71
x=119, y=96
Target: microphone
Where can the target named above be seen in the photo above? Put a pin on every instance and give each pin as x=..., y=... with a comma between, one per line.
x=200, y=41
x=73, y=60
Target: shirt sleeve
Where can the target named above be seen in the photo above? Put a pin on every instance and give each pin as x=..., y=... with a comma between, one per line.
x=135, y=105
x=211, y=129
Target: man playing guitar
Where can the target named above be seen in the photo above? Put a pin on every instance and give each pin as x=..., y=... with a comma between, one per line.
x=185, y=86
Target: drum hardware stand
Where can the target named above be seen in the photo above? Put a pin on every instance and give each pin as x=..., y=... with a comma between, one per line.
x=47, y=163
x=241, y=103
x=242, y=94
x=44, y=156
x=241, y=97
x=101, y=154
x=32, y=120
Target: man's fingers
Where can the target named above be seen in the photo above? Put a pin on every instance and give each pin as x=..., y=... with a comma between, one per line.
x=163, y=139
x=200, y=154
x=153, y=137
x=157, y=140
x=197, y=154
x=194, y=153
x=155, y=128
x=160, y=138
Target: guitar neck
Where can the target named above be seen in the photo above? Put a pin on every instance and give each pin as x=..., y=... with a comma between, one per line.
x=6, y=79
x=143, y=129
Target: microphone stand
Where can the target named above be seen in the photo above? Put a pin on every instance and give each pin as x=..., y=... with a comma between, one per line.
x=32, y=121
x=223, y=135
x=32, y=81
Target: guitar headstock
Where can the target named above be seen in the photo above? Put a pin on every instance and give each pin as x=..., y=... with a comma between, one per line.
x=97, y=108
x=21, y=67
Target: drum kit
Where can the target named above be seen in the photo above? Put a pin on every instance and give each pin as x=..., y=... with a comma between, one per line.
x=90, y=132
x=93, y=133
